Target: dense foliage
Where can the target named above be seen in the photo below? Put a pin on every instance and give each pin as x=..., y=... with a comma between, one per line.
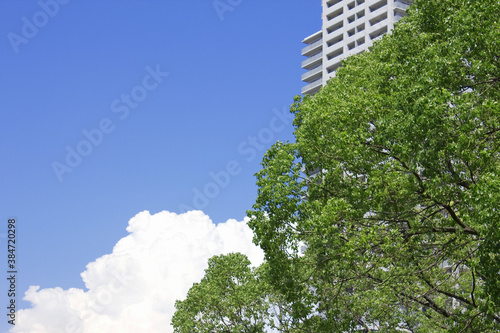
x=393, y=184
x=233, y=297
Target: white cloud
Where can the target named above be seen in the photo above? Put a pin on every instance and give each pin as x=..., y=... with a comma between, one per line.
x=134, y=288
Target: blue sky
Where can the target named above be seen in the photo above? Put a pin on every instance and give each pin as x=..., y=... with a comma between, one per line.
x=169, y=105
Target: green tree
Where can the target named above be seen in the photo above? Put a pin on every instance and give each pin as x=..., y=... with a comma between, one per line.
x=393, y=183
x=228, y=299
x=232, y=297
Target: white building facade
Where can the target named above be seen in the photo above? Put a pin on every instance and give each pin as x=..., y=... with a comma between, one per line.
x=349, y=27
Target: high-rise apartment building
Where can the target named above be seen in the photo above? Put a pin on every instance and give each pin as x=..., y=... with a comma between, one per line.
x=349, y=27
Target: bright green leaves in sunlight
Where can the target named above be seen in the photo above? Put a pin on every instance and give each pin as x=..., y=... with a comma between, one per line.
x=233, y=297
x=392, y=184
x=228, y=299
x=384, y=214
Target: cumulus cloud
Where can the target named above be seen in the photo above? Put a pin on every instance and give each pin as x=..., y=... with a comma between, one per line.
x=134, y=288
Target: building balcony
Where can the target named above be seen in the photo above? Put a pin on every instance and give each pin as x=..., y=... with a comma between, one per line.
x=312, y=48
x=333, y=6
x=400, y=8
x=377, y=14
x=402, y=5
x=312, y=87
x=313, y=61
x=313, y=74
x=312, y=38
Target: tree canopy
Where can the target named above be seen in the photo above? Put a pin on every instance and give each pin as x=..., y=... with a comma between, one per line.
x=385, y=212
x=393, y=182
x=233, y=297
x=228, y=299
